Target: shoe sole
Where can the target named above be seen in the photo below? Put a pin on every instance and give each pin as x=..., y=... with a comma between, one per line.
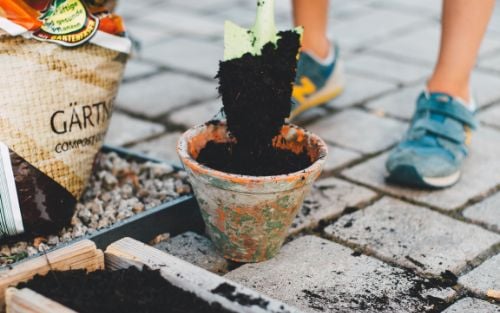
x=334, y=86
x=406, y=175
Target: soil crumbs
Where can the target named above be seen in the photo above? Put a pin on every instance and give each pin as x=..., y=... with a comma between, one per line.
x=256, y=93
x=231, y=158
x=127, y=290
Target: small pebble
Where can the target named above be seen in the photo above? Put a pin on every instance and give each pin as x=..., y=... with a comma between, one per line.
x=118, y=190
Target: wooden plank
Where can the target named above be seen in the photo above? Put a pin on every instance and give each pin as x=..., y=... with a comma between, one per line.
x=80, y=255
x=129, y=252
x=28, y=301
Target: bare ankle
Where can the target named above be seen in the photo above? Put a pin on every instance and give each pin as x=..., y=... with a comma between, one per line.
x=320, y=48
x=454, y=89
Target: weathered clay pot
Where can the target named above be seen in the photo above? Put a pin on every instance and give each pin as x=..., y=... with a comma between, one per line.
x=247, y=217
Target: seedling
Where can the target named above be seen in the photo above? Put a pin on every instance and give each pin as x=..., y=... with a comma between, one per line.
x=239, y=40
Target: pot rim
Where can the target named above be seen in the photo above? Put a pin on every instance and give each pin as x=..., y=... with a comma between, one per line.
x=188, y=160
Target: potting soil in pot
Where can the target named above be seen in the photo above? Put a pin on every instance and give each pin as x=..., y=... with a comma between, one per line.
x=127, y=290
x=256, y=92
x=118, y=189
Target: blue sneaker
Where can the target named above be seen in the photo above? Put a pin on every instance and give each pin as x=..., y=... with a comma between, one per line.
x=435, y=146
x=316, y=83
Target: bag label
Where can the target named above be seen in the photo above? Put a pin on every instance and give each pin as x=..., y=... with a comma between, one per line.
x=11, y=222
x=67, y=22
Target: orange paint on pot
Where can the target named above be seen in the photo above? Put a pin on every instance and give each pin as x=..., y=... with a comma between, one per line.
x=256, y=212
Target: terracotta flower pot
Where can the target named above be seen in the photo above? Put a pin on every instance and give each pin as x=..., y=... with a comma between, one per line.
x=247, y=217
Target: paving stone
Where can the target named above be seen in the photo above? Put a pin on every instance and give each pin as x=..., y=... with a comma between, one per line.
x=343, y=10
x=119, y=133
x=183, y=22
x=491, y=62
x=422, y=45
x=480, y=174
x=317, y=275
x=485, y=87
x=159, y=94
x=163, y=148
x=486, y=212
x=243, y=16
x=204, y=6
x=390, y=69
x=472, y=305
x=491, y=116
x=310, y=115
x=196, y=114
x=147, y=34
x=360, y=32
x=359, y=130
x=430, y=8
x=136, y=69
x=328, y=199
x=195, y=249
x=485, y=277
x=197, y=56
x=338, y=157
x=402, y=102
x=359, y=89
x=413, y=237
x=399, y=104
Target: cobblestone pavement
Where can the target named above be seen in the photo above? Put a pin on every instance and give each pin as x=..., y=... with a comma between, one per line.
x=358, y=244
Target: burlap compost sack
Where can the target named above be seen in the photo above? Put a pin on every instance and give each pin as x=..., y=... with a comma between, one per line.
x=55, y=104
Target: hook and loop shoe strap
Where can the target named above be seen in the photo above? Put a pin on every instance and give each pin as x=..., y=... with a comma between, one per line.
x=454, y=134
x=449, y=108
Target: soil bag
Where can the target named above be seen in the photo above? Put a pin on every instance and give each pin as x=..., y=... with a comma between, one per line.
x=61, y=62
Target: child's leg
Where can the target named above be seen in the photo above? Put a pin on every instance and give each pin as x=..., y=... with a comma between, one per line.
x=464, y=23
x=313, y=15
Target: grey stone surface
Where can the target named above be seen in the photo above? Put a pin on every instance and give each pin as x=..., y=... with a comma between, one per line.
x=491, y=116
x=430, y=8
x=119, y=132
x=491, y=62
x=196, y=114
x=422, y=44
x=163, y=147
x=361, y=31
x=196, y=56
x=183, y=22
x=136, y=69
x=472, y=305
x=485, y=87
x=202, y=7
x=146, y=34
x=359, y=130
x=195, y=249
x=156, y=95
x=486, y=212
x=359, y=89
x=316, y=275
x=338, y=157
x=386, y=68
x=400, y=104
x=328, y=199
x=485, y=277
x=479, y=175
x=413, y=237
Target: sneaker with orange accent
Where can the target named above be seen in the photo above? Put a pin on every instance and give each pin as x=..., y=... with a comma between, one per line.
x=316, y=82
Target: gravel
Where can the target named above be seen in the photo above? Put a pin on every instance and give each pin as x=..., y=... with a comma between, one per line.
x=118, y=189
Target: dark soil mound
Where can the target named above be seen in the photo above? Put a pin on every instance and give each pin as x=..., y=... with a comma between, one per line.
x=129, y=290
x=256, y=92
x=231, y=158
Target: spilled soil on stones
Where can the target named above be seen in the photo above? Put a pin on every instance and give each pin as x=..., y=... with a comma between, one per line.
x=256, y=93
x=127, y=290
